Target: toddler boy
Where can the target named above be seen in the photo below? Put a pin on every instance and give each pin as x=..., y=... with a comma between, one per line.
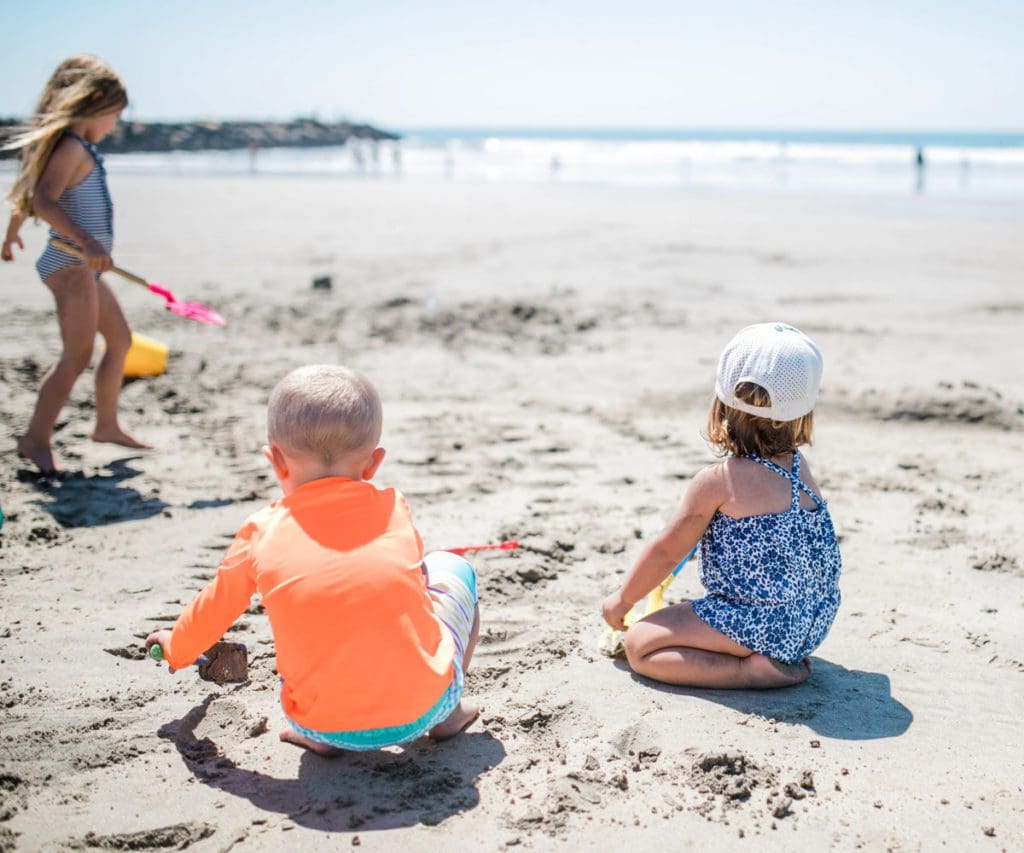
x=372, y=639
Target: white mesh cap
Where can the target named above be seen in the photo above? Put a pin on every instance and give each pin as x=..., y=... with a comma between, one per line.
x=779, y=358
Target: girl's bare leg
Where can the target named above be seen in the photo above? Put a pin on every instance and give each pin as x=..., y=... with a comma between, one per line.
x=465, y=712
x=76, y=295
x=676, y=646
x=110, y=371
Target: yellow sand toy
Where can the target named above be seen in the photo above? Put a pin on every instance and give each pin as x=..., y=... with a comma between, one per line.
x=612, y=642
x=146, y=357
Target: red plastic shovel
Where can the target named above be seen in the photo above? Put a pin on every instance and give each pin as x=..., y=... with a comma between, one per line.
x=192, y=310
x=511, y=545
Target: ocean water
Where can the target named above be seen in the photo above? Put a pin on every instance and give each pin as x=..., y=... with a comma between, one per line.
x=965, y=165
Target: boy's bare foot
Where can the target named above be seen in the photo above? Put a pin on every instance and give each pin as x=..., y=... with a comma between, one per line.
x=456, y=721
x=763, y=671
x=293, y=737
x=119, y=436
x=40, y=455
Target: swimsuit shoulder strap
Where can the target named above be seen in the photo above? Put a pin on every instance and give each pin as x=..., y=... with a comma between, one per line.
x=794, y=478
x=88, y=146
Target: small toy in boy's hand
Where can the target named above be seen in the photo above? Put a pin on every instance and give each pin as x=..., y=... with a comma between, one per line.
x=223, y=662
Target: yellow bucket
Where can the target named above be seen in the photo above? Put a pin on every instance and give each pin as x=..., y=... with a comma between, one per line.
x=146, y=357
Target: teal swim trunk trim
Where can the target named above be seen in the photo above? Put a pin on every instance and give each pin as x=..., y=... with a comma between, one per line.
x=370, y=739
x=452, y=581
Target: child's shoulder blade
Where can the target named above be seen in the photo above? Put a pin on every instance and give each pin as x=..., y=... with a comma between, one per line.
x=710, y=485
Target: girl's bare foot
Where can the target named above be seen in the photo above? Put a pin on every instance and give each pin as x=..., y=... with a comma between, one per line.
x=40, y=455
x=456, y=721
x=118, y=436
x=763, y=671
x=293, y=737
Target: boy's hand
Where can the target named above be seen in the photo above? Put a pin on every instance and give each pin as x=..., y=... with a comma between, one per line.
x=615, y=610
x=160, y=638
x=7, y=253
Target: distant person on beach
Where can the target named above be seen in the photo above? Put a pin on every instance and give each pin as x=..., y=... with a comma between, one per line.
x=358, y=155
x=62, y=181
x=769, y=554
x=372, y=638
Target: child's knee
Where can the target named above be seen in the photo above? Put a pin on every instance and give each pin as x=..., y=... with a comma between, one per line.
x=76, y=356
x=447, y=561
x=118, y=343
x=635, y=646
x=439, y=563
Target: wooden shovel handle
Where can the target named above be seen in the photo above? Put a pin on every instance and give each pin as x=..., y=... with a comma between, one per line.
x=74, y=251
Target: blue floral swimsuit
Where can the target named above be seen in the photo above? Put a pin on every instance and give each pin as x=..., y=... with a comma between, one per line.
x=772, y=580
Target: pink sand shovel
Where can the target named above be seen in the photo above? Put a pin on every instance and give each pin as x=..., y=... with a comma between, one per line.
x=192, y=310
x=511, y=545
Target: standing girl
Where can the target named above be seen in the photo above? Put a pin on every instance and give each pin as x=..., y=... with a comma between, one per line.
x=62, y=180
x=769, y=554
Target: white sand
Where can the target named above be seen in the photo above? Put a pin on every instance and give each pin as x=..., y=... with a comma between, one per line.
x=545, y=355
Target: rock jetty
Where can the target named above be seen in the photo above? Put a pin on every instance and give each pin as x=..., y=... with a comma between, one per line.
x=132, y=136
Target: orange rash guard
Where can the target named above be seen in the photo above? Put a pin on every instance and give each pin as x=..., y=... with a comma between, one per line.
x=338, y=564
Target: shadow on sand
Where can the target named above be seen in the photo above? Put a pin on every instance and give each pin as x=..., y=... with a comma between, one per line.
x=840, y=703
x=425, y=783
x=77, y=500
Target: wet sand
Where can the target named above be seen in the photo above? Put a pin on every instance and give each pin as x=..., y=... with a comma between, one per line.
x=546, y=356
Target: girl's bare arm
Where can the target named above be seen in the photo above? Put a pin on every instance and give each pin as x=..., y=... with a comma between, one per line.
x=705, y=494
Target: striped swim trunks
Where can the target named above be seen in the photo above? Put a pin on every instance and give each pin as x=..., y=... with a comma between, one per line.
x=451, y=582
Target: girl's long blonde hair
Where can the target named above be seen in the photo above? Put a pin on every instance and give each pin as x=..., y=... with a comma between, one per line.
x=82, y=87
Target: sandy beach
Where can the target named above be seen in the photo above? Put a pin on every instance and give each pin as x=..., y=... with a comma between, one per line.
x=546, y=355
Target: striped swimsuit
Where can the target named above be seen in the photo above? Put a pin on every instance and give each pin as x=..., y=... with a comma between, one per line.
x=88, y=205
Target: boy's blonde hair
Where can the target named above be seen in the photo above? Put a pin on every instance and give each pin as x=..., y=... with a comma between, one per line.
x=82, y=87
x=325, y=411
x=731, y=431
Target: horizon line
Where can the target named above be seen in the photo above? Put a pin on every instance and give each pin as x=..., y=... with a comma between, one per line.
x=578, y=128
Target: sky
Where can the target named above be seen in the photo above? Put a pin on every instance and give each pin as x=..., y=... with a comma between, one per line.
x=855, y=64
